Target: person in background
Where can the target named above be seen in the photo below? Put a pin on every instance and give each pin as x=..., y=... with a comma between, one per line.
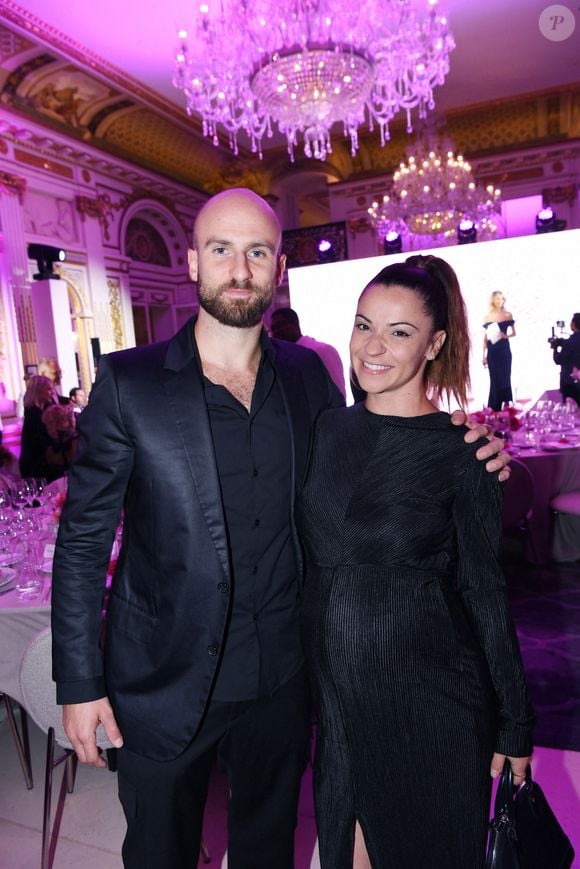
x=414, y=661
x=285, y=325
x=203, y=440
x=78, y=399
x=35, y=439
x=48, y=367
x=9, y=469
x=499, y=327
x=567, y=356
x=60, y=425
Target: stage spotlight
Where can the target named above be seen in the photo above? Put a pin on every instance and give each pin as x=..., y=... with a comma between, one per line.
x=393, y=243
x=546, y=221
x=466, y=231
x=326, y=251
x=45, y=257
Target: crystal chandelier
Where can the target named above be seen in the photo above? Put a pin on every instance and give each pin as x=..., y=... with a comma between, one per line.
x=308, y=64
x=430, y=195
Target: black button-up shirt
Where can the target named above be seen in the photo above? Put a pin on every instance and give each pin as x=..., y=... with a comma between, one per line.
x=253, y=455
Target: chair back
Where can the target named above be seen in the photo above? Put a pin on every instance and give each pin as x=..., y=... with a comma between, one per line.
x=38, y=691
x=518, y=496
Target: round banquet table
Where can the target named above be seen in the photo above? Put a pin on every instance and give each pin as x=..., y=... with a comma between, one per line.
x=20, y=621
x=554, y=472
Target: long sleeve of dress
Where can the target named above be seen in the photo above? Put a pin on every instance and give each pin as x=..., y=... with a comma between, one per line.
x=481, y=586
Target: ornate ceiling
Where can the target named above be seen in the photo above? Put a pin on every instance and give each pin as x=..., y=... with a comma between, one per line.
x=49, y=77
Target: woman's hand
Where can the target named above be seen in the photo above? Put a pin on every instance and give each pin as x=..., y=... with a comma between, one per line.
x=484, y=362
x=518, y=765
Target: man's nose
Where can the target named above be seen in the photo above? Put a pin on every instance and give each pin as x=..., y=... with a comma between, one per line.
x=241, y=270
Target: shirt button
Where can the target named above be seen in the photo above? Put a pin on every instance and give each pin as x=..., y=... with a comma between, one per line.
x=223, y=587
x=256, y=523
x=212, y=650
x=255, y=472
x=254, y=570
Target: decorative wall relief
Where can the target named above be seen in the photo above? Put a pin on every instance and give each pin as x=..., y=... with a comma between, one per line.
x=50, y=217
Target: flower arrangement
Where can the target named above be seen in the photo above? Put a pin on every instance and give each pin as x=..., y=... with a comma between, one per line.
x=506, y=419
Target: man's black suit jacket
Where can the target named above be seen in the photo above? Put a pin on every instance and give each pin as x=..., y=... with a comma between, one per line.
x=146, y=446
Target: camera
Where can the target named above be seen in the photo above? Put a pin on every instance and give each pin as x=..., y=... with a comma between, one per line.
x=556, y=342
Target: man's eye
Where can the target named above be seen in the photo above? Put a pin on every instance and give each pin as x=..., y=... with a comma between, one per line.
x=219, y=250
x=257, y=254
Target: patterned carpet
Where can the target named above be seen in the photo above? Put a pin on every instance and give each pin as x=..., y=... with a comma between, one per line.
x=545, y=605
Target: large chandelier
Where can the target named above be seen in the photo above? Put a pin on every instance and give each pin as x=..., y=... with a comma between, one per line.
x=305, y=65
x=431, y=194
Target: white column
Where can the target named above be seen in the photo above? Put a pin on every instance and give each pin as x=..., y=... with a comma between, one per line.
x=52, y=322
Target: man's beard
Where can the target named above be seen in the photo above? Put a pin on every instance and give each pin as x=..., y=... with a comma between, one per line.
x=241, y=313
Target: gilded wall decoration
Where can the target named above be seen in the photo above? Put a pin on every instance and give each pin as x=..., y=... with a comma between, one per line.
x=75, y=279
x=555, y=195
x=114, y=288
x=100, y=208
x=50, y=217
x=15, y=184
x=41, y=162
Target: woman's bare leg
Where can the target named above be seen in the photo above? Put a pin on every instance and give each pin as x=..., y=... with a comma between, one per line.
x=360, y=857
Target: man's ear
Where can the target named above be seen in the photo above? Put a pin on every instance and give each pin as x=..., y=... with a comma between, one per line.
x=280, y=268
x=192, y=262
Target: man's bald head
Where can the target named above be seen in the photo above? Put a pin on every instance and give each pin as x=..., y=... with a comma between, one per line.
x=236, y=200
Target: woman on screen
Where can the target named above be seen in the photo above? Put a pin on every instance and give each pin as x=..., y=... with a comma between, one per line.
x=499, y=327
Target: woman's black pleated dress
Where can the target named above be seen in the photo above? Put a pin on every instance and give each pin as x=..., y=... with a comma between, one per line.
x=414, y=662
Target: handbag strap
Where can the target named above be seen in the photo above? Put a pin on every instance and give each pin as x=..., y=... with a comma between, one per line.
x=504, y=798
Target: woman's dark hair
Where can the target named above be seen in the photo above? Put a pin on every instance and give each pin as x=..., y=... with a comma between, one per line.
x=435, y=282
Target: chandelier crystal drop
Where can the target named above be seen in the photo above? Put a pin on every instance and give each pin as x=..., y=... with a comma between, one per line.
x=430, y=194
x=308, y=64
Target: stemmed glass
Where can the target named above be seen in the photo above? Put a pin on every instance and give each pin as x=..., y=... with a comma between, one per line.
x=20, y=494
x=29, y=583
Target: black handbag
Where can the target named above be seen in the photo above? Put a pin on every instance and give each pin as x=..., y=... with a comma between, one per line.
x=524, y=832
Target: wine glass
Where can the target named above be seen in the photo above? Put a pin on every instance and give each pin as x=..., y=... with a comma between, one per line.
x=20, y=494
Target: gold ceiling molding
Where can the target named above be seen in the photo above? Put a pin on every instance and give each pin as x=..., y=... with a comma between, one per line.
x=155, y=142
x=12, y=44
x=518, y=122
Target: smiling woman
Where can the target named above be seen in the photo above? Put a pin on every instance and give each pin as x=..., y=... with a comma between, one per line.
x=412, y=655
x=410, y=339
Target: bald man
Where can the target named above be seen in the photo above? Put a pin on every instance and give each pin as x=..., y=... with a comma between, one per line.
x=204, y=441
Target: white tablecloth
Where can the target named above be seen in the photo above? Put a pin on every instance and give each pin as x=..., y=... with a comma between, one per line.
x=19, y=623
